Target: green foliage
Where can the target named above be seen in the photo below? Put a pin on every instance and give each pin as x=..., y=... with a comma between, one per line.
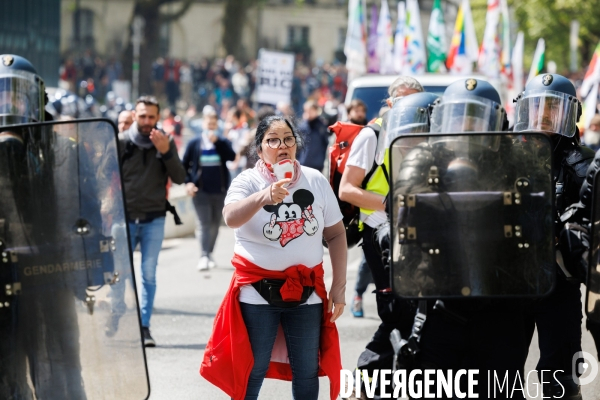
x=478, y=10
x=551, y=20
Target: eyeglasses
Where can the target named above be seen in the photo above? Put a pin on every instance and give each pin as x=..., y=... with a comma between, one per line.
x=275, y=143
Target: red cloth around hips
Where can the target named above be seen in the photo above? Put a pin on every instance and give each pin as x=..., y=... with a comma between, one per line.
x=228, y=358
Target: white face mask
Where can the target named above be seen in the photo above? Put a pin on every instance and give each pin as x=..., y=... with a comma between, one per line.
x=284, y=169
x=591, y=138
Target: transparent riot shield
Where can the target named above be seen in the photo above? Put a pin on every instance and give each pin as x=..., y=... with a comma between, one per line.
x=69, y=323
x=593, y=277
x=471, y=215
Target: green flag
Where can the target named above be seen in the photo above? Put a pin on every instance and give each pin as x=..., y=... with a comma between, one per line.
x=538, y=59
x=436, y=40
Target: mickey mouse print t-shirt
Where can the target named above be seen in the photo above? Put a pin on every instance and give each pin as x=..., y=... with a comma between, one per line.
x=286, y=234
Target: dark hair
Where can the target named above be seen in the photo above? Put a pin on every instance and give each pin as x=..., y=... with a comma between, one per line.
x=263, y=127
x=237, y=113
x=356, y=103
x=149, y=101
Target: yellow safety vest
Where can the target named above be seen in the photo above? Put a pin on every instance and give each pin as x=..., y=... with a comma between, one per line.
x=377, y=183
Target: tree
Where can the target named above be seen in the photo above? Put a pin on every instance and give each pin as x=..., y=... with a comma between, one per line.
x=551, y=20
x=150, y=11
x=234, y=18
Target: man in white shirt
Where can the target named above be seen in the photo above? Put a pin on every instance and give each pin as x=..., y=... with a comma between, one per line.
x=370, y=197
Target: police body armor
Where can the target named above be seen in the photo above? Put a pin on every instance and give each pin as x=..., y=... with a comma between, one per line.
x=471, y=216
x=593, y=272
x=70, y=324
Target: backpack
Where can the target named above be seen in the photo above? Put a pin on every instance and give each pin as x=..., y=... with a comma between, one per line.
x=345, y=133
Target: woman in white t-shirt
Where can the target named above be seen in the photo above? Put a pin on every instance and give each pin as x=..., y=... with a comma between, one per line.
x=278, y=280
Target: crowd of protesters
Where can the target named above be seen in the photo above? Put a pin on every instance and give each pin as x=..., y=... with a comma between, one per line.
x=90, y=74
x=221, y=82
x=218, y=82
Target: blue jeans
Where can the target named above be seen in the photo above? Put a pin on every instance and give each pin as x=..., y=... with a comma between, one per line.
x=301, y=327
x=150, y=236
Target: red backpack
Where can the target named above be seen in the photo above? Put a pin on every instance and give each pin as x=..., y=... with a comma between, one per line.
x=345, y=133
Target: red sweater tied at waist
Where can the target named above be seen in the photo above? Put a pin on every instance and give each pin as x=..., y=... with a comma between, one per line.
x=228, y=358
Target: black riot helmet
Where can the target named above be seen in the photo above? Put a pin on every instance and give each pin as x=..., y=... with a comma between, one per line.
x=548, y=104
x=469, y=105
x=22, y=92
x=408, y=115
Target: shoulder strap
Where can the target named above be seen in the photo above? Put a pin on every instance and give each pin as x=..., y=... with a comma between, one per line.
x=128, y=152
x=172, y=210
x=376, y=128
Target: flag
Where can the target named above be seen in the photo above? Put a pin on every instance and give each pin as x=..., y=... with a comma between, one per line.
x=589, y=105
x=436, y=39
x=355, y=47
x=385, y=44
x=373, y=61
x=463, y=48
x=399, y=39
x=489, y=54
x=517, y=64
x=505, y=67
x=537, y=65
x=593, y=73
x=415, y=47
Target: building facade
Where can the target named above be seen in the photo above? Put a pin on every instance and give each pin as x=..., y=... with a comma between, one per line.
x=31, y=29
x=278, y=24
x=103, y=25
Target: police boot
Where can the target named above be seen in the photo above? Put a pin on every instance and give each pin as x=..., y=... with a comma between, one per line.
x=563, y=387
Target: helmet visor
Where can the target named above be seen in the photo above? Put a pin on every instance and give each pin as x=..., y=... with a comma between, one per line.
x=401, y=120
x=21, y=97
x=546, y=111
x=463, y=113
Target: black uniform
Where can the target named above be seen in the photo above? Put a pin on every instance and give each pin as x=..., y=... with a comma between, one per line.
x=549, y=103
x=462, y=333
x=408, y=116
x=459, y=333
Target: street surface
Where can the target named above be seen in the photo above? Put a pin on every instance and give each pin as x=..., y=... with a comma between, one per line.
x=186, y=304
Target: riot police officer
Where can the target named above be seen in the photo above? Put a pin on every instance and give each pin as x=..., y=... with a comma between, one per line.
x=444, y=176
x=549, y=104
x=40, y=318
x=407, y=116
x=21, y=101
x=55, y=257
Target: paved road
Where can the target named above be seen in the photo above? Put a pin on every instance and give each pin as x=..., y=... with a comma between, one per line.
x=187, y=301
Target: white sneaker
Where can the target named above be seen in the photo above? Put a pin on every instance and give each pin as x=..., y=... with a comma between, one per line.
x=203, y=264
x=211, y=262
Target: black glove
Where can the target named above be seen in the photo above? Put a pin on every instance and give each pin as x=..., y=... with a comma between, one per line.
x=382, y=242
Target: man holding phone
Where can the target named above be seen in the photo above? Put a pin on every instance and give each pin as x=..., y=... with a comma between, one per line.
x=148, y=159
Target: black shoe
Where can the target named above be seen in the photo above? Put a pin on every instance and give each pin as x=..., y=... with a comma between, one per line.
x=148, y=340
